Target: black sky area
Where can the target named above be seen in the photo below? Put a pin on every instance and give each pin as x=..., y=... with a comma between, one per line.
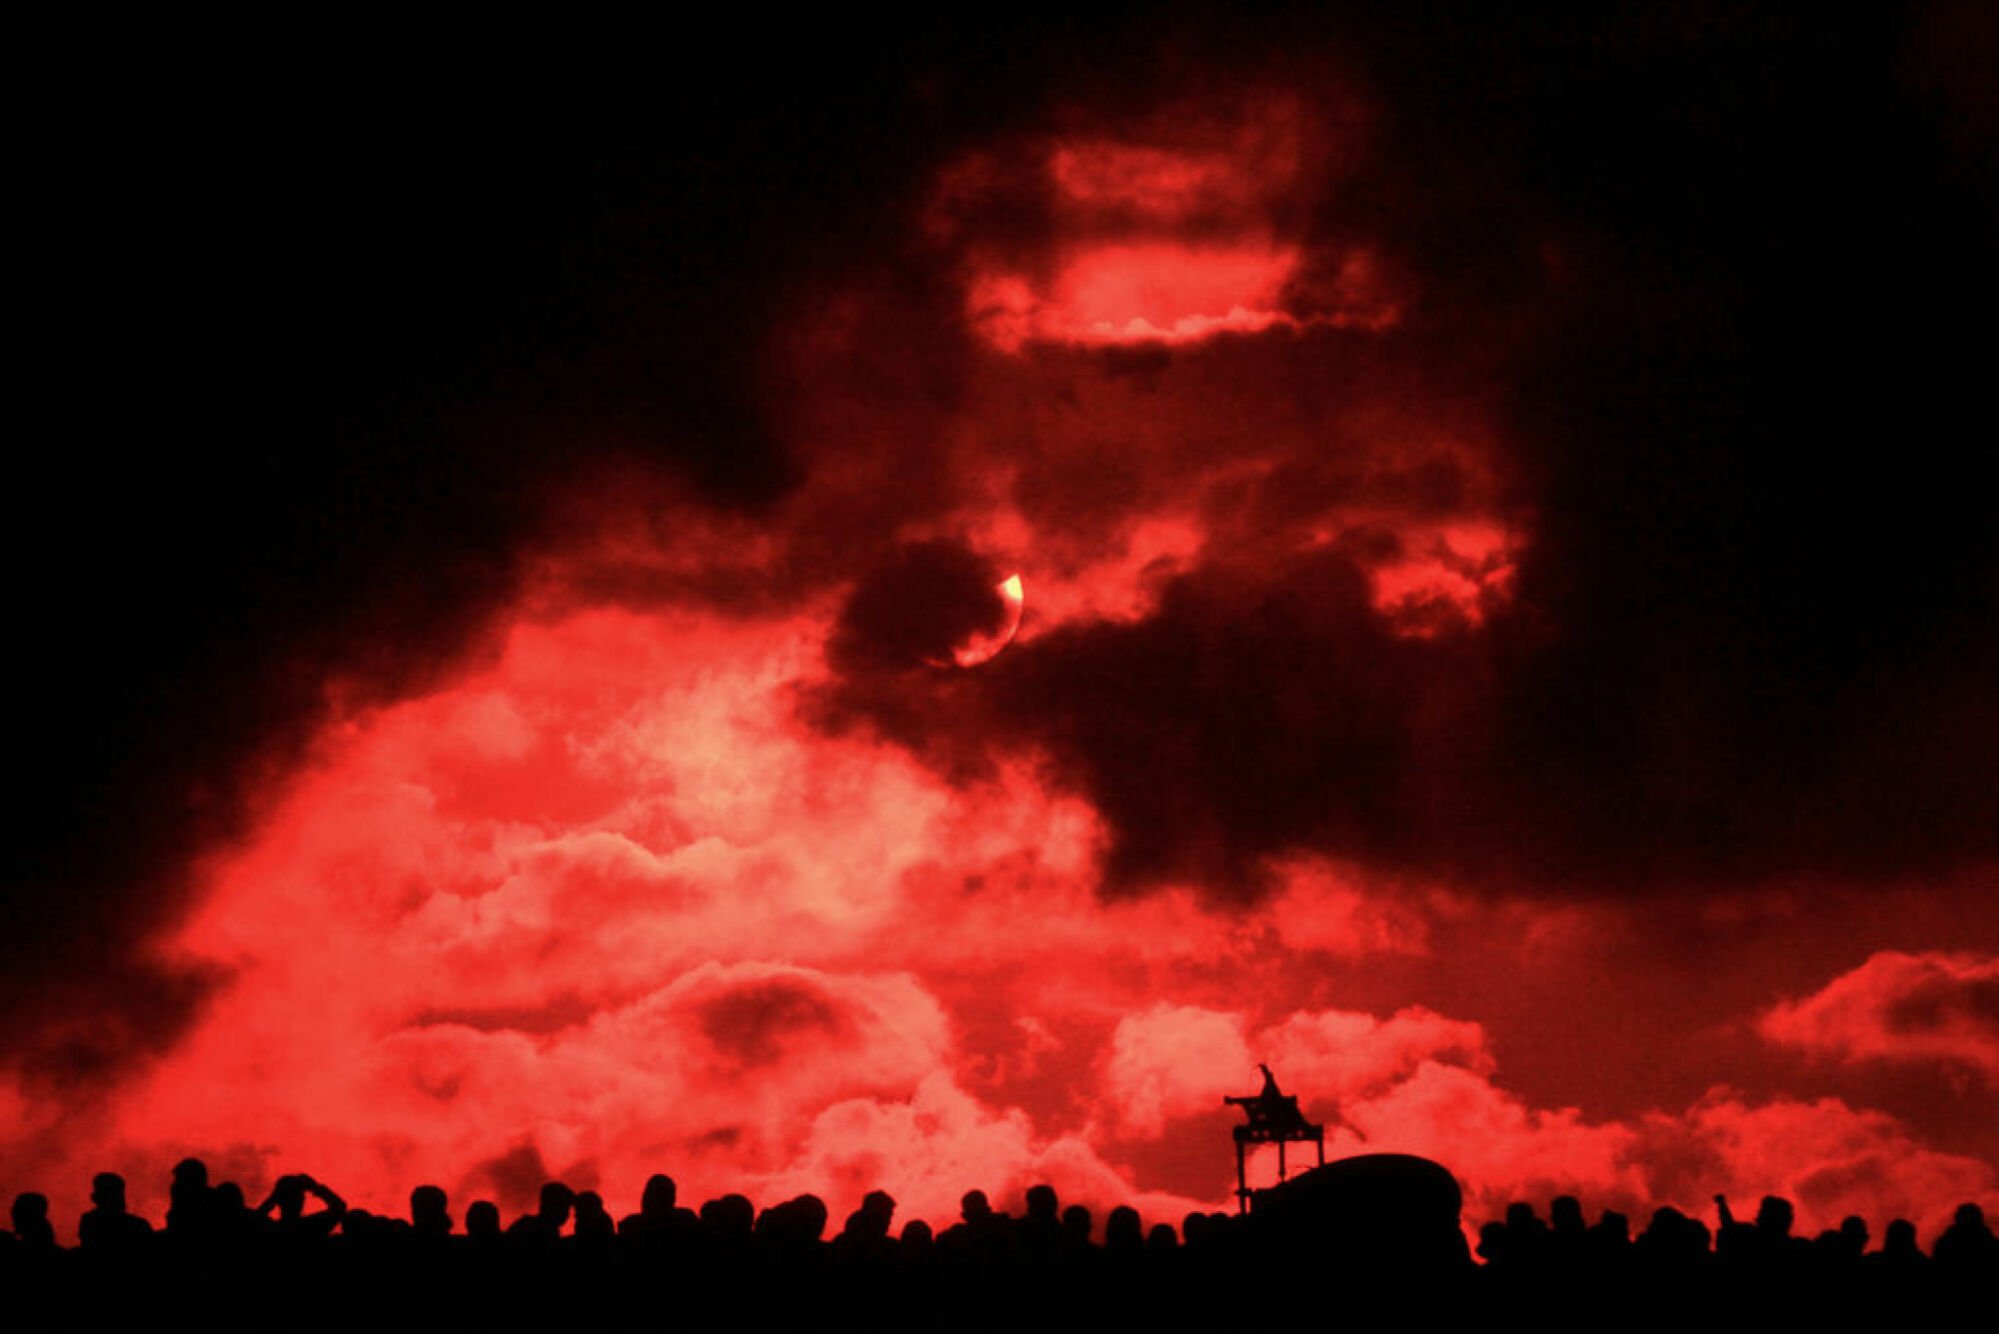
x=319, y=331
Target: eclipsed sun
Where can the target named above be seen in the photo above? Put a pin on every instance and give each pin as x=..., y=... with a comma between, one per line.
x=984, y=647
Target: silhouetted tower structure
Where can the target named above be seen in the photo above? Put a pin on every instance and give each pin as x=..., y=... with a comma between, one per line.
x=1274, y=1118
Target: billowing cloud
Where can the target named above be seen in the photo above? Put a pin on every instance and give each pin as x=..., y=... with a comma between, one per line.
x=1931, y=1007
x=1175, y=1061
x=1481, y=570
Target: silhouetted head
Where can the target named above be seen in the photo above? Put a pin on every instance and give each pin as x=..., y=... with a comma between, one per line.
x=812, y=1215
x=290, y=1196
x=1122, y=1227
x=107, y=1192
x=1042, y=1204
x=1900, y=1239
x=482, y=1220
x=1970, y=1217
x=227, y=1200
x=1774, y=1216
x=592, y=1219
x=1613, y=1226
x=31, y=1219
x=974, y=1207
x=1193, y=1228
x=429, y=1211
x=916, y=1235
x=1566, y=1214
x=1853, y=1231
x=729, y=1216
x=658, y=1199
x=1076, y=1223
x=556, y=1202
x=799, y=1221
x=188, y=1197
x=880, y=1205
x=1161, y=1238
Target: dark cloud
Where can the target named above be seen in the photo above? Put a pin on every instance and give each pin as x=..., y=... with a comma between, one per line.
x=316, y=361
x=513, y=1179
x=315, y=345
x=1708, y=280
x=756, y=1023
x=1257, y=710
x=924, y=601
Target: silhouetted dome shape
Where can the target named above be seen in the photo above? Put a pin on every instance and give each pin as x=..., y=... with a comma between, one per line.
x=1374, y=1209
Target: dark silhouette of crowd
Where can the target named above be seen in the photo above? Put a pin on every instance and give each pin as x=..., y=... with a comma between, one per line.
x=781, y=1261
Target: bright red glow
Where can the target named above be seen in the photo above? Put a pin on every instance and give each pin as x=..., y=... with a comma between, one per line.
x=1160, y=185
x=983, y=648
x=1162, y=243
x=1451, y=576
x=627, y=897
x=608, y=907
x=1899, y=1008
x=1152, y=292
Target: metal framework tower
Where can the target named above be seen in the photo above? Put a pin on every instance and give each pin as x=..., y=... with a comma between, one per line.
x=1273, y=1118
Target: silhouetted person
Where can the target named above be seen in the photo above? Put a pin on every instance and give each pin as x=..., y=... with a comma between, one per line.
x=1967, y=1246
x=1836, y=1250
x=1608, y=1243
x=1763, y=1245
x=593, y=1222
x=1899, y=1258
x=1491, y=1246
x=728, y=1219
x=1271, y=1106
x=107, y=1227
x=369, y=1233
x=287, y=1199
x=482, y=1225
x=1123, y=1233
x=1041, y=1230
x=980, y=1233
x=660, y=1220
x=545, y=1224
x=866, y=1229
x=1527, y=1240
x=430, y=1213
x=190, y=1211
x=1672, y=1242
x=230, y=1222
x=32, y=1230
x=792, y=1230
x=1567, y=1229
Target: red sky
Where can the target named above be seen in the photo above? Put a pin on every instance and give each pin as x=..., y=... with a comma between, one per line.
x=1397, y=701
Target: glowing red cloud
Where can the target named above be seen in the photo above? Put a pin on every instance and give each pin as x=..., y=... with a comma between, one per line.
x=1453, y=576
x=1164, y=243
x=1148, y=292
x=1152, y=185
x=1179, y=1061
x=1926, y=1008
x=620, y=901
x=608, y=908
